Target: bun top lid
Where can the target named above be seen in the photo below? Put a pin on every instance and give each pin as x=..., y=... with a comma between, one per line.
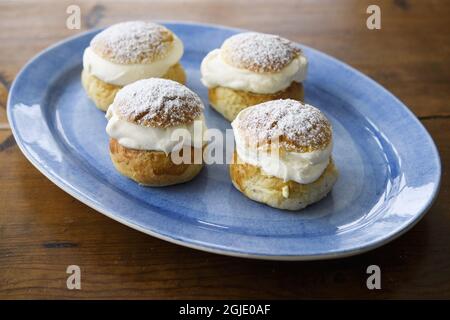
x=291, y=125
x=259, y=52
x=157, y=103
x=133, y=42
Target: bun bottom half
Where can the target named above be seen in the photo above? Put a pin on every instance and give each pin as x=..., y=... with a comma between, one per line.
x=277, y=193
x=229, y=102
x=151, y=168
x=103, y=93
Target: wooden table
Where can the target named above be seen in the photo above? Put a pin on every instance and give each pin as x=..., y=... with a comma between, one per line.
x=43, y=229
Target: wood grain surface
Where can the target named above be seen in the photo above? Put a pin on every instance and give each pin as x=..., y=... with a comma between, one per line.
x=43, y=229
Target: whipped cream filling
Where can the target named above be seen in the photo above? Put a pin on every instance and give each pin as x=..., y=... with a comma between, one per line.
x=216, y=72
x=302, y=168
x=123, y=74
x=170, y=139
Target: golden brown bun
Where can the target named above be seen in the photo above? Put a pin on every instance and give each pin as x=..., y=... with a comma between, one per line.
x=151, y=168
x=133, y=42
x=157, y=103
x=103, y=93
x=286, y=125
x=259, y=52
x=100, y=92
x=230, y=102
x=275, y=192
x=176, y=73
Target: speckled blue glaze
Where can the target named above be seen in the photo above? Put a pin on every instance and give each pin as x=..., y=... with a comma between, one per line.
x=389, y=166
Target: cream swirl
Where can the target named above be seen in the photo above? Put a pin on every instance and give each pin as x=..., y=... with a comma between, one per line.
x=301, y=167
x=169, y=139
x=123, y=74
x=216, y=72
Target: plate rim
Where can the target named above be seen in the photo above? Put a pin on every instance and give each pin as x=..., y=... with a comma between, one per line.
x=229, y=252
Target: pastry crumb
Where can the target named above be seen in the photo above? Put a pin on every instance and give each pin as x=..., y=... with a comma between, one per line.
x=285, y=191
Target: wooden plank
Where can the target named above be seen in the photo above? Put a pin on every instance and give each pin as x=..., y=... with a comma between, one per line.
x=43, y=229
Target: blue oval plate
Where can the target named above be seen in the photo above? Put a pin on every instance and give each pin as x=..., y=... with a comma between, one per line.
x=389, y=166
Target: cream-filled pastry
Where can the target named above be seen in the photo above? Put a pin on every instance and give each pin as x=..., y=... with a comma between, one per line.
x=251, y=68
x=150, y=120
x=127, y=52
x=283, y=154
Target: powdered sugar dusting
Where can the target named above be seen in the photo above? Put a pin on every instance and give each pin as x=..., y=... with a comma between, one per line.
x=158, y=103
x=259, y=52
x=299, y=127
x=133, y=42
